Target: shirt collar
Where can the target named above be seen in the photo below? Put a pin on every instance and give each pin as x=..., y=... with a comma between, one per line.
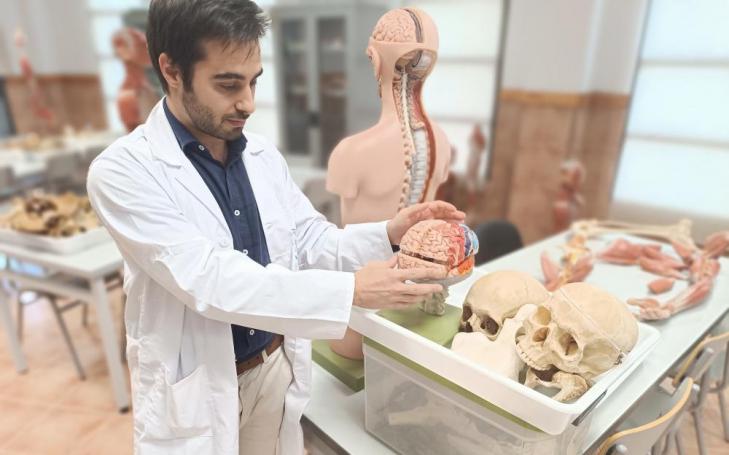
x=188, y=142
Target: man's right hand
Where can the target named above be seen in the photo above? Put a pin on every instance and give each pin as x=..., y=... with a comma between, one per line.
x=380, y=285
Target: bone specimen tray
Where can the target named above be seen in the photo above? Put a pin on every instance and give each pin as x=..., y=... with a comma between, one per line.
x=56, y=245
x=397, y=337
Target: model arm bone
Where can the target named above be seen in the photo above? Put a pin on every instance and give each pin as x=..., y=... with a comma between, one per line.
x=679, y=232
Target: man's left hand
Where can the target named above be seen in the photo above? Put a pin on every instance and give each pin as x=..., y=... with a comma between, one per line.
x=409, y=216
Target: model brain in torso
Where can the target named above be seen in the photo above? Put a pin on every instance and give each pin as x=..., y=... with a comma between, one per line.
x=439, y=244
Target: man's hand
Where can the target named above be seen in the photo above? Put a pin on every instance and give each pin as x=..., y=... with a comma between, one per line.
x=409, y=216
x=380, y=285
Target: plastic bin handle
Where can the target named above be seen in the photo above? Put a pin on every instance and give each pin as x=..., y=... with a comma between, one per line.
x=589, y=409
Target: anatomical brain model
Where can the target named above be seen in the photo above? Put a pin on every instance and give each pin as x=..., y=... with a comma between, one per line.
x=441, y=245
x=564, y=339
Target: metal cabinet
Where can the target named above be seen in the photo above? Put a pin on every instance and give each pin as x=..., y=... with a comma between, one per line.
x=325, y=85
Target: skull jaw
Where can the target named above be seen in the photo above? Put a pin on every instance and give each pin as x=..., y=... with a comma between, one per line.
x=537, y=359
x=571, y=386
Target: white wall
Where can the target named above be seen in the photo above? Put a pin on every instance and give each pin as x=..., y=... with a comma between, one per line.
x=572, y=45
x=617, y=45
x=58, y=36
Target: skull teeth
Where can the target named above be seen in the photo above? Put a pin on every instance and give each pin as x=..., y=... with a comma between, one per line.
x=528, y=360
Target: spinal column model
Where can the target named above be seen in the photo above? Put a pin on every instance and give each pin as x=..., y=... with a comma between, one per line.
x=403, y=158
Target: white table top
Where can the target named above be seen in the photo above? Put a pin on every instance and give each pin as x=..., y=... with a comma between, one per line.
x=341, y=415
x=97, y=261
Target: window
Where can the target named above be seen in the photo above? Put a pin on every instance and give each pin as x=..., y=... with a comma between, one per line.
x=676, y=152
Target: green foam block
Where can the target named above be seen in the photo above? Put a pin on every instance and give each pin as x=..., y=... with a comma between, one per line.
x=350, y=372
x=439, y=329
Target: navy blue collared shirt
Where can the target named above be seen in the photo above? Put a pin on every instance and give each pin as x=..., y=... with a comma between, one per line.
x=232, y=190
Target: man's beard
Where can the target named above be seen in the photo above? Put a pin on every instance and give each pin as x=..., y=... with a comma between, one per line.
x=204, y=119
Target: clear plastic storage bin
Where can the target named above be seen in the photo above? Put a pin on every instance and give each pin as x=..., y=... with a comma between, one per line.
x=415, y=411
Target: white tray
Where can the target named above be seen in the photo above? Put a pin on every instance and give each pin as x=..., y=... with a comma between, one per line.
x=531, y=406
x=56, y=245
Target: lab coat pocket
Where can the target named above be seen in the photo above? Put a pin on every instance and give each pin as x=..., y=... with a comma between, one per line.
x=184, y=409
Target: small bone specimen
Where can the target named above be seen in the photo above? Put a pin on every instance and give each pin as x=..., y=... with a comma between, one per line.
x=499, y=355
x=579, y=333
x=56, y=216
x=439, y=244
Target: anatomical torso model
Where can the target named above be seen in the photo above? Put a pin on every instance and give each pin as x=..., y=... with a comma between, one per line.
x=403, y=158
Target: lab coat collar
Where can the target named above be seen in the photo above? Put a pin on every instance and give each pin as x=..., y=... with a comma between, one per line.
x=164, y=145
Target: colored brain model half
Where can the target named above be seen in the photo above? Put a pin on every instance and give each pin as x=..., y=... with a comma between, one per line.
x=439, y=244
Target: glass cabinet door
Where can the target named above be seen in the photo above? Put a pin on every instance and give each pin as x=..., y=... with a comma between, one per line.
x=295, y=87
x=331, y=57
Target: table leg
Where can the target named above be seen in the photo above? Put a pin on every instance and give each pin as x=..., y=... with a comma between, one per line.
x=108, y=338
x=6, y=319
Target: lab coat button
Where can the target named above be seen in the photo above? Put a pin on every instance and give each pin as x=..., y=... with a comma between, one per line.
x=245, y=252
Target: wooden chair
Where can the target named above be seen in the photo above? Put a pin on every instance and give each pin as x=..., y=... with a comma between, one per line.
x=651, y=436
x=696, y=366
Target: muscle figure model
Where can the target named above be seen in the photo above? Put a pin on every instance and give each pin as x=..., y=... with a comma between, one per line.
x=136, y=96
x=38, y=102
x=402, y=159
x=569, y=200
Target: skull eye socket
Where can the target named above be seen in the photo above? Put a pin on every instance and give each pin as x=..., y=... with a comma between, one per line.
x=540, y=335
x=490, y=326
x=569, y=345
x=467, y=313
x=542, y=316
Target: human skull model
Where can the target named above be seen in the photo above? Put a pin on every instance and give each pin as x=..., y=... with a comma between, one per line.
x=496, y=297
x=450, y=247
x=500, y=355
x=574, y=336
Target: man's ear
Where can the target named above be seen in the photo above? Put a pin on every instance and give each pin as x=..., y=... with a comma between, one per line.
x=170, y=71
x=375, y=59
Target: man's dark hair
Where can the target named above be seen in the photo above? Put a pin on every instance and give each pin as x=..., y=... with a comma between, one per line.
x=179, y=28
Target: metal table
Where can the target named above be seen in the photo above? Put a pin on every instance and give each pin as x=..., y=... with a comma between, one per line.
x=89, y=268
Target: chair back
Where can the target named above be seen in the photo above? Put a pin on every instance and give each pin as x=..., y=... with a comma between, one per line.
x=641, y=439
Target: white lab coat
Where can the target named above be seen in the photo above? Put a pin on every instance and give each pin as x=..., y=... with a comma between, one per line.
x=185, y=285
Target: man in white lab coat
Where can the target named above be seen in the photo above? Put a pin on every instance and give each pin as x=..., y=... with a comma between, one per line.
x=215, y=236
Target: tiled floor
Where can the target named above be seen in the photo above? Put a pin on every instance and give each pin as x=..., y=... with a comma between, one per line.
x=50, y=411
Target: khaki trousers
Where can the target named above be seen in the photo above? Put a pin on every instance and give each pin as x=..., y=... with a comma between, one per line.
x=261, y=393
